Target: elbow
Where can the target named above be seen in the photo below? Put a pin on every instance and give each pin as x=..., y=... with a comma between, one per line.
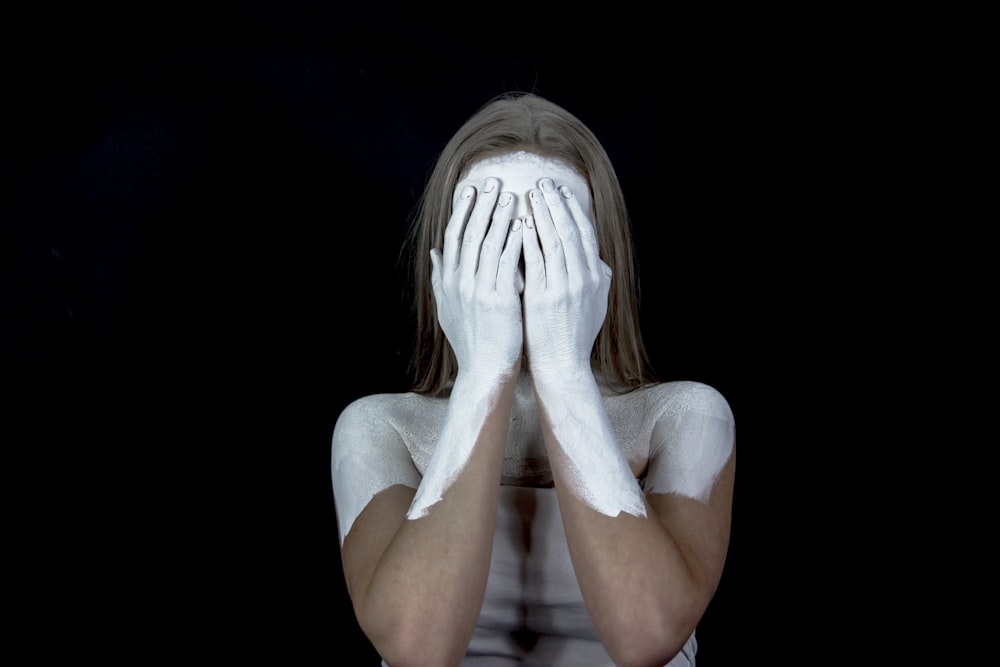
x=639, y=657
x=649, y=655
x=408, y=632
x=418, y=655
x=653, y=642
x=414, y=646
x=650, y=652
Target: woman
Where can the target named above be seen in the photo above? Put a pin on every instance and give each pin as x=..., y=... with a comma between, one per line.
x=538, y=497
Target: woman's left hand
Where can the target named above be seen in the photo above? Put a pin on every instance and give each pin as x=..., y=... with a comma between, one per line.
x=566, y=283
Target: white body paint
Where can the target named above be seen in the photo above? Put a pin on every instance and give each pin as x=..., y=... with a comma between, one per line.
x=519, y=172
x=469, y=405
x=694, y=437
x=594, y=465
x=561, y=323
x=459, y=435
x=676, y=437
x=673, y=438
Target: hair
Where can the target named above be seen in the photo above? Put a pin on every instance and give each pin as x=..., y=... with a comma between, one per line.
x=509, y=123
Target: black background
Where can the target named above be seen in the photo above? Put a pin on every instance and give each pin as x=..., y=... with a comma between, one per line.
x=206, y=209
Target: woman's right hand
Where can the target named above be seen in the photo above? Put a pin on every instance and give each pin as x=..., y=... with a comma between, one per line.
x=475, y=281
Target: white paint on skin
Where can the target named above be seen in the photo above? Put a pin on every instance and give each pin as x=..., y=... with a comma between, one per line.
x=467, y=411
x=683, y=431
x=368, y=456
x=595, y=466
x=468, y=408
x=519, y=172
x=679, y=433
x=696, y=434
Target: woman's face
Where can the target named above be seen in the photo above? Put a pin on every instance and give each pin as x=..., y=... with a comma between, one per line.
x=520, y=172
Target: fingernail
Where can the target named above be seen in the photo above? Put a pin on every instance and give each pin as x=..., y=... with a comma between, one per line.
x=534, y=196
x=566, y=192
x=529, y=222
x=467, y=191
x=516, y=225
x=491, y=185
x=547, y=184
x=505, y=198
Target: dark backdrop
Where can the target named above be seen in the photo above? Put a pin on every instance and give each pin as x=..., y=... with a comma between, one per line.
x=203, y=211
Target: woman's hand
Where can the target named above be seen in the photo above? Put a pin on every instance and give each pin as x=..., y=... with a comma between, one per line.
x=474, y=280
x=566, y=284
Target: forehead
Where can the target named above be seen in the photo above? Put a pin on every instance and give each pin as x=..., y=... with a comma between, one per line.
x=519, y=172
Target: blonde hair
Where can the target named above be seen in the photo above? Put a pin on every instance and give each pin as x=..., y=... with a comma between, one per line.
x=526, y=122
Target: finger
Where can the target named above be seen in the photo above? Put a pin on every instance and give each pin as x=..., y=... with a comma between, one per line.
x=475, y=230
x=551, y=245
x=456, y=226
x=507, y=276
x=493, y=244
x=534, y=265
x=566, y=228
x=585, y=228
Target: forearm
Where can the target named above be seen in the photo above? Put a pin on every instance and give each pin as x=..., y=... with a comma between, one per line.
x=633, y=576
x=426, y=591
x=642, y=596
x=582, y=445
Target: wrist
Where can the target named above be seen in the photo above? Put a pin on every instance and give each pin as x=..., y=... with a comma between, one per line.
x=487, y=376
x=563, y=380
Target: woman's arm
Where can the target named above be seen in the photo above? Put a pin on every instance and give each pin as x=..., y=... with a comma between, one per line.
x=416, y=563
x=646, y=580
x=417, y=585
x=647, y=566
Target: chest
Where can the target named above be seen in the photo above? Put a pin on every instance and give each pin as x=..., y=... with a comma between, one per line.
x=525, y=459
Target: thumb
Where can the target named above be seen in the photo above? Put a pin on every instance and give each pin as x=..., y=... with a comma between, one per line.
x=435, y=270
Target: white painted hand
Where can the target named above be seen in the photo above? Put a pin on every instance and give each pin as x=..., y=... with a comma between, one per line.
x=566, y=283
x=475, y=282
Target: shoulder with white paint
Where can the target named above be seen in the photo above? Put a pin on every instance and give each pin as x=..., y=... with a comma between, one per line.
x=693, y=437
x=680, y=396
x=401, y=424
x=378, y=413
x=369, y=452
x=368, y=410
